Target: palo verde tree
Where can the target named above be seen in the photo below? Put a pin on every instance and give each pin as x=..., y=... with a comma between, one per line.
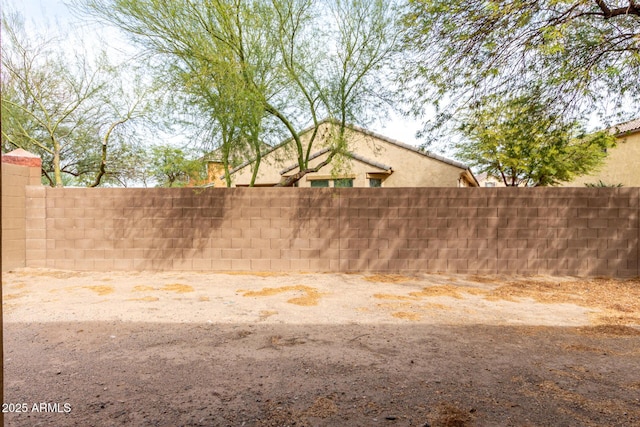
x=171, y=167
x=261, y=66
x=67, y=108
x=584, y=54
x=522, y=141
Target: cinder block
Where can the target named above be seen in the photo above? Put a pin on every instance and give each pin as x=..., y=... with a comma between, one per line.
x=122, y=264
x=250, y=254
x=300, y=243
x=230, y=232
x=299, y=264
x=607, y=253
x=349, y=253
x=447, y=253
x=231, y=253
x=467, y=254
x=488, y=254
x=477, y=243
x=527, y=233
x=505, y=253
x=447, y=212
x=516, y=243
x=221, y=265
x=288, y=233
x=578, y=243
x=398, y=265
x=586, y=253
x=407, y=253
x=289, y=254
x=429, y=233
x=378, y=265
x=477, y=223
x=437, y=265
x=241, y=264
x=260, y=264
x=457, y=243
x=240, y=243
x=269, y=233
x=448, y=233
x=279, y=265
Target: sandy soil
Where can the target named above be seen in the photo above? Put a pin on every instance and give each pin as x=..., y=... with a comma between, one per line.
x=195, y=349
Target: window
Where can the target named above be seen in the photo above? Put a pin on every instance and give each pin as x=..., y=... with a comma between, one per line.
x=343, y=183
x=320, y=183
x=375, y=182
x=489, y=184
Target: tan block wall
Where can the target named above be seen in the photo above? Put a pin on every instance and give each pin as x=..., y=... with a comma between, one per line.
x=15, y=178
x=561, y=231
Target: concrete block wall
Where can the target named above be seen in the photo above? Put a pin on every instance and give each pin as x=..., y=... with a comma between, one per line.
x=562, y=231
x=19, y=169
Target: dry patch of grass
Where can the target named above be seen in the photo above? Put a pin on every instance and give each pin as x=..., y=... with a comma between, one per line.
x=311, y=295
x=174, y=287
x=389, y=278
x=178, y=288
x=277, y=341
x=448, y=415
x=407, y=315
x=146, y=299
x=583, y=348
x=100, y=289
x=143, y=288
x=265, y=314
x=323, y=407
x=618, y=300
x=616, y=330
x=15, y=296
x=451, y=291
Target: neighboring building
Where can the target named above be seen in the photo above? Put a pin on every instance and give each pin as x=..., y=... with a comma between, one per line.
x=375, y=161
x=622, y=165
x=486, y=180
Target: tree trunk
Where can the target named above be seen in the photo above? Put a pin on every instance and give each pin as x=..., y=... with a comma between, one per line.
x=289, y=181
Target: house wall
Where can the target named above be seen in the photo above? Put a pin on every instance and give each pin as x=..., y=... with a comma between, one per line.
x=621, y=165
x=560, y=231
x=411, y=169
x=17, y=173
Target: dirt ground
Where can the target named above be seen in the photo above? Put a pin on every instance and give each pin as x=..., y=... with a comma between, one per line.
x=196, y=349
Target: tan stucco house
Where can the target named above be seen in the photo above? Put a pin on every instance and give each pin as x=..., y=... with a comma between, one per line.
x=373, y=161
x=622, y=165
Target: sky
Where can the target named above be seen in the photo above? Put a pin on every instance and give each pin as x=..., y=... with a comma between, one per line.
x=55, y=15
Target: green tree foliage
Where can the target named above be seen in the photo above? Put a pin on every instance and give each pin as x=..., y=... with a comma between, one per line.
x=72, y=111
x=522, y=142
x=170, y=167
x=262, y=70
x=585, y=54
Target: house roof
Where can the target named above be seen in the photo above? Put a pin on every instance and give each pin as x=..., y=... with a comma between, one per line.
x=352, y=155
x=628, y=127
x=366, y=132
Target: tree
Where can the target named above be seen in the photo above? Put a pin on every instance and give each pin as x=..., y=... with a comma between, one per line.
x=524, y=143
x=66, y=108
x=585, y=54
x=170, y=167
x=263, y=69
